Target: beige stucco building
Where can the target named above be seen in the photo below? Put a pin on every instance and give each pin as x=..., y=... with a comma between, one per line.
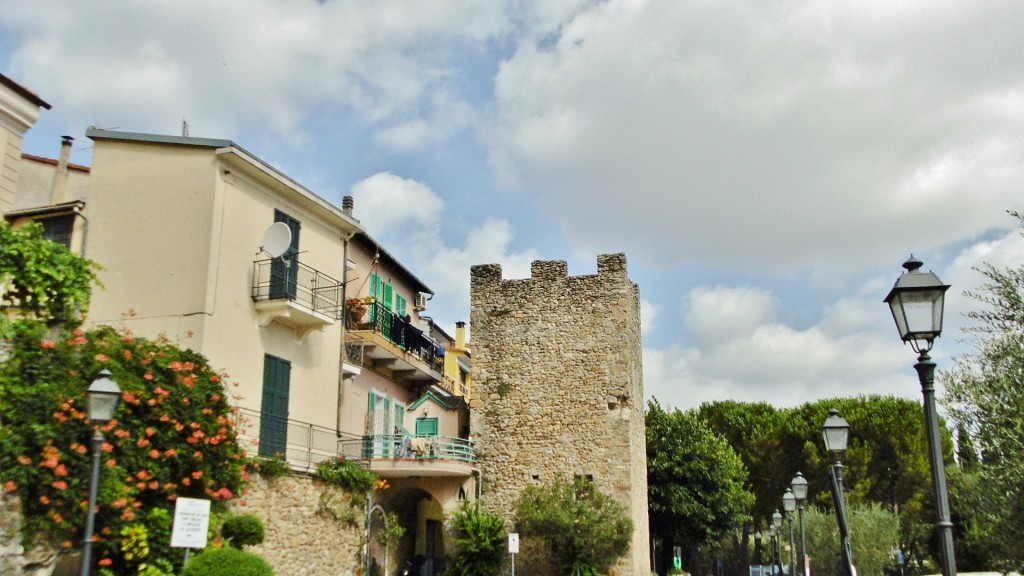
x=19, y=111
x=324, y=335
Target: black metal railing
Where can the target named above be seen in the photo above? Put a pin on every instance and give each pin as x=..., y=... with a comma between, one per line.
x=285, y=278
x=368, y=314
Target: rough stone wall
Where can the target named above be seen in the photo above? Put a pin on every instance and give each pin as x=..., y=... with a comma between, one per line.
x=558, y=388
x=311, y=527
x=40, y=560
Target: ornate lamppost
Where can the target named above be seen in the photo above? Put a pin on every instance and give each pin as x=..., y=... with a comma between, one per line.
x=777, y=525
x=799, y=486
x=789, y=505
x=836, y=430
x=917, y=301
x=103, y=396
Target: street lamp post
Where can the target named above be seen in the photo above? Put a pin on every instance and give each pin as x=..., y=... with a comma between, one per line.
x=103, y=396
x=771, y=542
x=757, y=547
x=835, y=431
x=777, y=524
x=916, y=302
x=799, y=486
x=789, y=505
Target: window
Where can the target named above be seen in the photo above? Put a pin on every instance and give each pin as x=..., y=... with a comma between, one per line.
x=400, y=306
x=59, y=228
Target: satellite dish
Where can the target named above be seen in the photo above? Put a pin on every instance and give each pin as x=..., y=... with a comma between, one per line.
x=277, y=239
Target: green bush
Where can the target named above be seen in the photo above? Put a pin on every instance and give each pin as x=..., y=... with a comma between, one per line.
x=349, y=475
x=242, y=530
x=587, y=530
x=480, y=542
x=227, y=562
x=269, y=467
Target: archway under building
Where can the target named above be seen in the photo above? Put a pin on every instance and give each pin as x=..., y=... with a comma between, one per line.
x=422, y=547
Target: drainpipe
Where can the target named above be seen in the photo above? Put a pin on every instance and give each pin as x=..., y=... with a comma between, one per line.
x=60, y=179
x=85, y=228
x=347, y=205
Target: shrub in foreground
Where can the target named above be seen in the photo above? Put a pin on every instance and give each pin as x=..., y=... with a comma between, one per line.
x=227, y=562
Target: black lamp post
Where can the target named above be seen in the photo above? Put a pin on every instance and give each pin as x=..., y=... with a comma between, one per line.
x=777, y=524
x=799, y=486
x=103, y=396
x=757, y=547
x=917, y=301
x=836, y=431
x=771, y=542
x=789, y=505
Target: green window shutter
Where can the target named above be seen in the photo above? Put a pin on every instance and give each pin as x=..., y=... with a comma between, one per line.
x=284, y=274
x=426, y=426
x=400, y=305
x=400, y=418
x=388, y=292
x=376, y=292
x=274, y=414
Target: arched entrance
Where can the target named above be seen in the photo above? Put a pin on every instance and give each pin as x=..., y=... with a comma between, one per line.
x=421, y=547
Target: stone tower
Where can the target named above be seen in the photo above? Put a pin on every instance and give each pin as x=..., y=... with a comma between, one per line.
x=558, y=389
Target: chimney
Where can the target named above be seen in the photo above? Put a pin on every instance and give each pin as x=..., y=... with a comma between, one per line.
x=347, y=204
x=460, y=335
x=59, y=191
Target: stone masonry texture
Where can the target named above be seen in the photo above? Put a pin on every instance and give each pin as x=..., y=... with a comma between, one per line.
x=558, y=390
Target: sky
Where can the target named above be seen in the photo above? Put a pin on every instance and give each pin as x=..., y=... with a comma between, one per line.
x=766, y=167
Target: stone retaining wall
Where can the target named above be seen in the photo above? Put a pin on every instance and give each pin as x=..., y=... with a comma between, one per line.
x=311, y=527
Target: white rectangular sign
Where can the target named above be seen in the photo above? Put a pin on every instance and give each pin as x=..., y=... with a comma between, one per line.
x=191, y=523
x=513, y=543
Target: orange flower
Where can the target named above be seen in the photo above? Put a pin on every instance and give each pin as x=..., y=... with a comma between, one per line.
x=106, y=562
x=150, y=431
x=44, y=499
x=154, y=485
x=111, y=463
x=154, y=453
x=60, y=485
x=61, y=470
x=24, y=460
x=48, y=344
x=102, y=357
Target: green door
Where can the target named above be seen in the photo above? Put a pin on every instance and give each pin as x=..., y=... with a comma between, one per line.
x=274, y=415
x=426, y=426
x=284, y=271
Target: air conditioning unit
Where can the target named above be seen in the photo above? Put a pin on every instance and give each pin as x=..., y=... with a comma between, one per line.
x=419, y=302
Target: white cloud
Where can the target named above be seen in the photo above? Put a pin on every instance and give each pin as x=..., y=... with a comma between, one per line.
x=769, y=135
x=392, y=203
x=649, y=313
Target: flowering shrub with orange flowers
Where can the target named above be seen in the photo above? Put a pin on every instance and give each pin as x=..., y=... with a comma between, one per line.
x=173, y=435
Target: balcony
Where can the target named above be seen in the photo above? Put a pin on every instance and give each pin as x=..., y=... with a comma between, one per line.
x=400, y=455
x=383, y=341
x=301, y=444
x=296, y=295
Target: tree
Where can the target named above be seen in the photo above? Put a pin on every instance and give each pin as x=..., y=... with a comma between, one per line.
x=695, y=482
x=875, y=533
x=42, y=279
x=985, y=393
x=173, y=435
x=586, y=530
